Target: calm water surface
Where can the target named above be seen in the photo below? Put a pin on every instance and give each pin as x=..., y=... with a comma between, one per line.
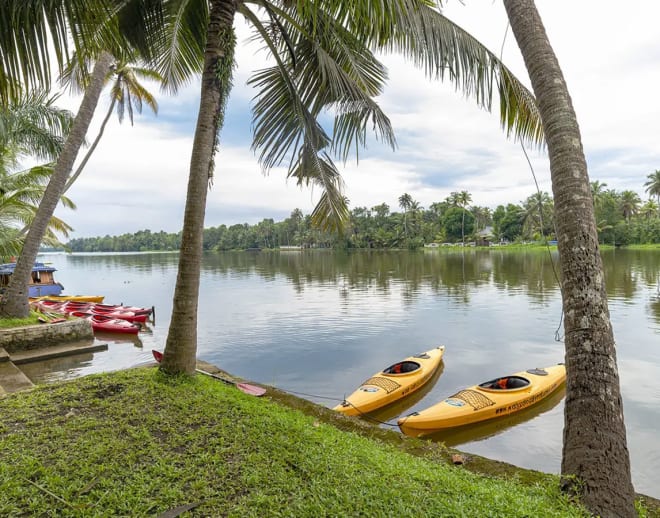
x=319, y=323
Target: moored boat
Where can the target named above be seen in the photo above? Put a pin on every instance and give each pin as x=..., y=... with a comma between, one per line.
x=393, y=383
x=41, y=282
x=66, y=298
x=495, y=398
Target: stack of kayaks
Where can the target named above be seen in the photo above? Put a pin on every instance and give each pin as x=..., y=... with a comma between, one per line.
x=495, y=398
x=393, y=383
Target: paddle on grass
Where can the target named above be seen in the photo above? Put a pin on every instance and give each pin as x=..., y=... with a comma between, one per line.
x=253, y=390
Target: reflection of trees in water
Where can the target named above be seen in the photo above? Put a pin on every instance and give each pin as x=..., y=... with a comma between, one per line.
x=145, y=262
x=629, y=271
x=453, y=273
x=534, y=272
x=654, y=308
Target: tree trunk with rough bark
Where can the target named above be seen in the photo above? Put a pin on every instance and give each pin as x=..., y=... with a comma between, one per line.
x=181, y=345
x=595, y=450
x=15, y=302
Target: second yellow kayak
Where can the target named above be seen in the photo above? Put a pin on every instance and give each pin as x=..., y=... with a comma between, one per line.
x=391, y=384
x=494, y=398
x=64, y=298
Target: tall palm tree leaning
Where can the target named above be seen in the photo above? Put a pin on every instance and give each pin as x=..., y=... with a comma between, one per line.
x=323, y=62
x=595, y=459
x=15, y=299
x=26, y=28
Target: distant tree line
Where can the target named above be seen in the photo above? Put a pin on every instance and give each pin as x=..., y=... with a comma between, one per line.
x=622, y=219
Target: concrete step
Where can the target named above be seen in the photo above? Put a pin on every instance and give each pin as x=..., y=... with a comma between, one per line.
x=56, y=351
x=4, y=355
x=12, y=378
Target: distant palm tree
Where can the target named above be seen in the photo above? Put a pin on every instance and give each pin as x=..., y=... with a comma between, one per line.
x=405, y=202
x=653, y=185
x=127, y=95
x=463, y=200
x=597, y=191
x=629, y=202
x=649, y=210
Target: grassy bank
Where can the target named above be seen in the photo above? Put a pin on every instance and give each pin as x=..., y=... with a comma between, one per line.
x=135, y=444
x=9, y=323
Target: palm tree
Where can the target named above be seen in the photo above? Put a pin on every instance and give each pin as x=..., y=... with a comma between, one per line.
x=595, y=458
x=463, y=200
x=322, y=61
x=629, y=202
x=31, y=124
x=538, y=214
x=405, y=202
x=650, y=210
x=25, y=29
x=15, y=302
x=653, y=185
x=20, y=194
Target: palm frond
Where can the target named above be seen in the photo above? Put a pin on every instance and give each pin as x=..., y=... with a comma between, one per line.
x=180, y=50
x=443, y=49
x=32, y=124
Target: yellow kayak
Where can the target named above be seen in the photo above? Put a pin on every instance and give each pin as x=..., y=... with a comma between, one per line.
x=494, y=398
x=395, y=382
x=64, y=298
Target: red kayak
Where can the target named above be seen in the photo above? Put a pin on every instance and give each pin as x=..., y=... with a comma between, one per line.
x=130, y=316
x=108, y=308
x=108, y=324
x=119, y=307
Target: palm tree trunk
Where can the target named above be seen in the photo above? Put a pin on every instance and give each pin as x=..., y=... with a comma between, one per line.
x=181, y=345
x=595, y=449
x=15, y=301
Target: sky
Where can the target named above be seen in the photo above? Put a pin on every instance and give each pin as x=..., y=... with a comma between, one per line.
x=610, y=57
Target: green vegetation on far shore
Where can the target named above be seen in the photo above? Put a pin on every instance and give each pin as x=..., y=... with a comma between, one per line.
x=133, y=443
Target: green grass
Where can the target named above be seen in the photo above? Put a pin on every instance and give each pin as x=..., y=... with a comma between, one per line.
x=7, y=323
x=135, y=443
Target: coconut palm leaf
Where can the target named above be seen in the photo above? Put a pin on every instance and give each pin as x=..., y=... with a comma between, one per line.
x=32, y=125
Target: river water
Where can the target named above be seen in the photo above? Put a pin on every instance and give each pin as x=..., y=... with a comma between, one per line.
x=319, y=323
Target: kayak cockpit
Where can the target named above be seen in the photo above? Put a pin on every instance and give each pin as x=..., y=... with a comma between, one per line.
x=404, y=367
x=506, y=383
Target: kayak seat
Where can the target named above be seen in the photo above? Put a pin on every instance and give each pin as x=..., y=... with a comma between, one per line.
x=402, y=368
x=512, y=382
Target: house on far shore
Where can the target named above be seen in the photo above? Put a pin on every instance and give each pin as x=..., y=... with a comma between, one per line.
x=485, y=237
